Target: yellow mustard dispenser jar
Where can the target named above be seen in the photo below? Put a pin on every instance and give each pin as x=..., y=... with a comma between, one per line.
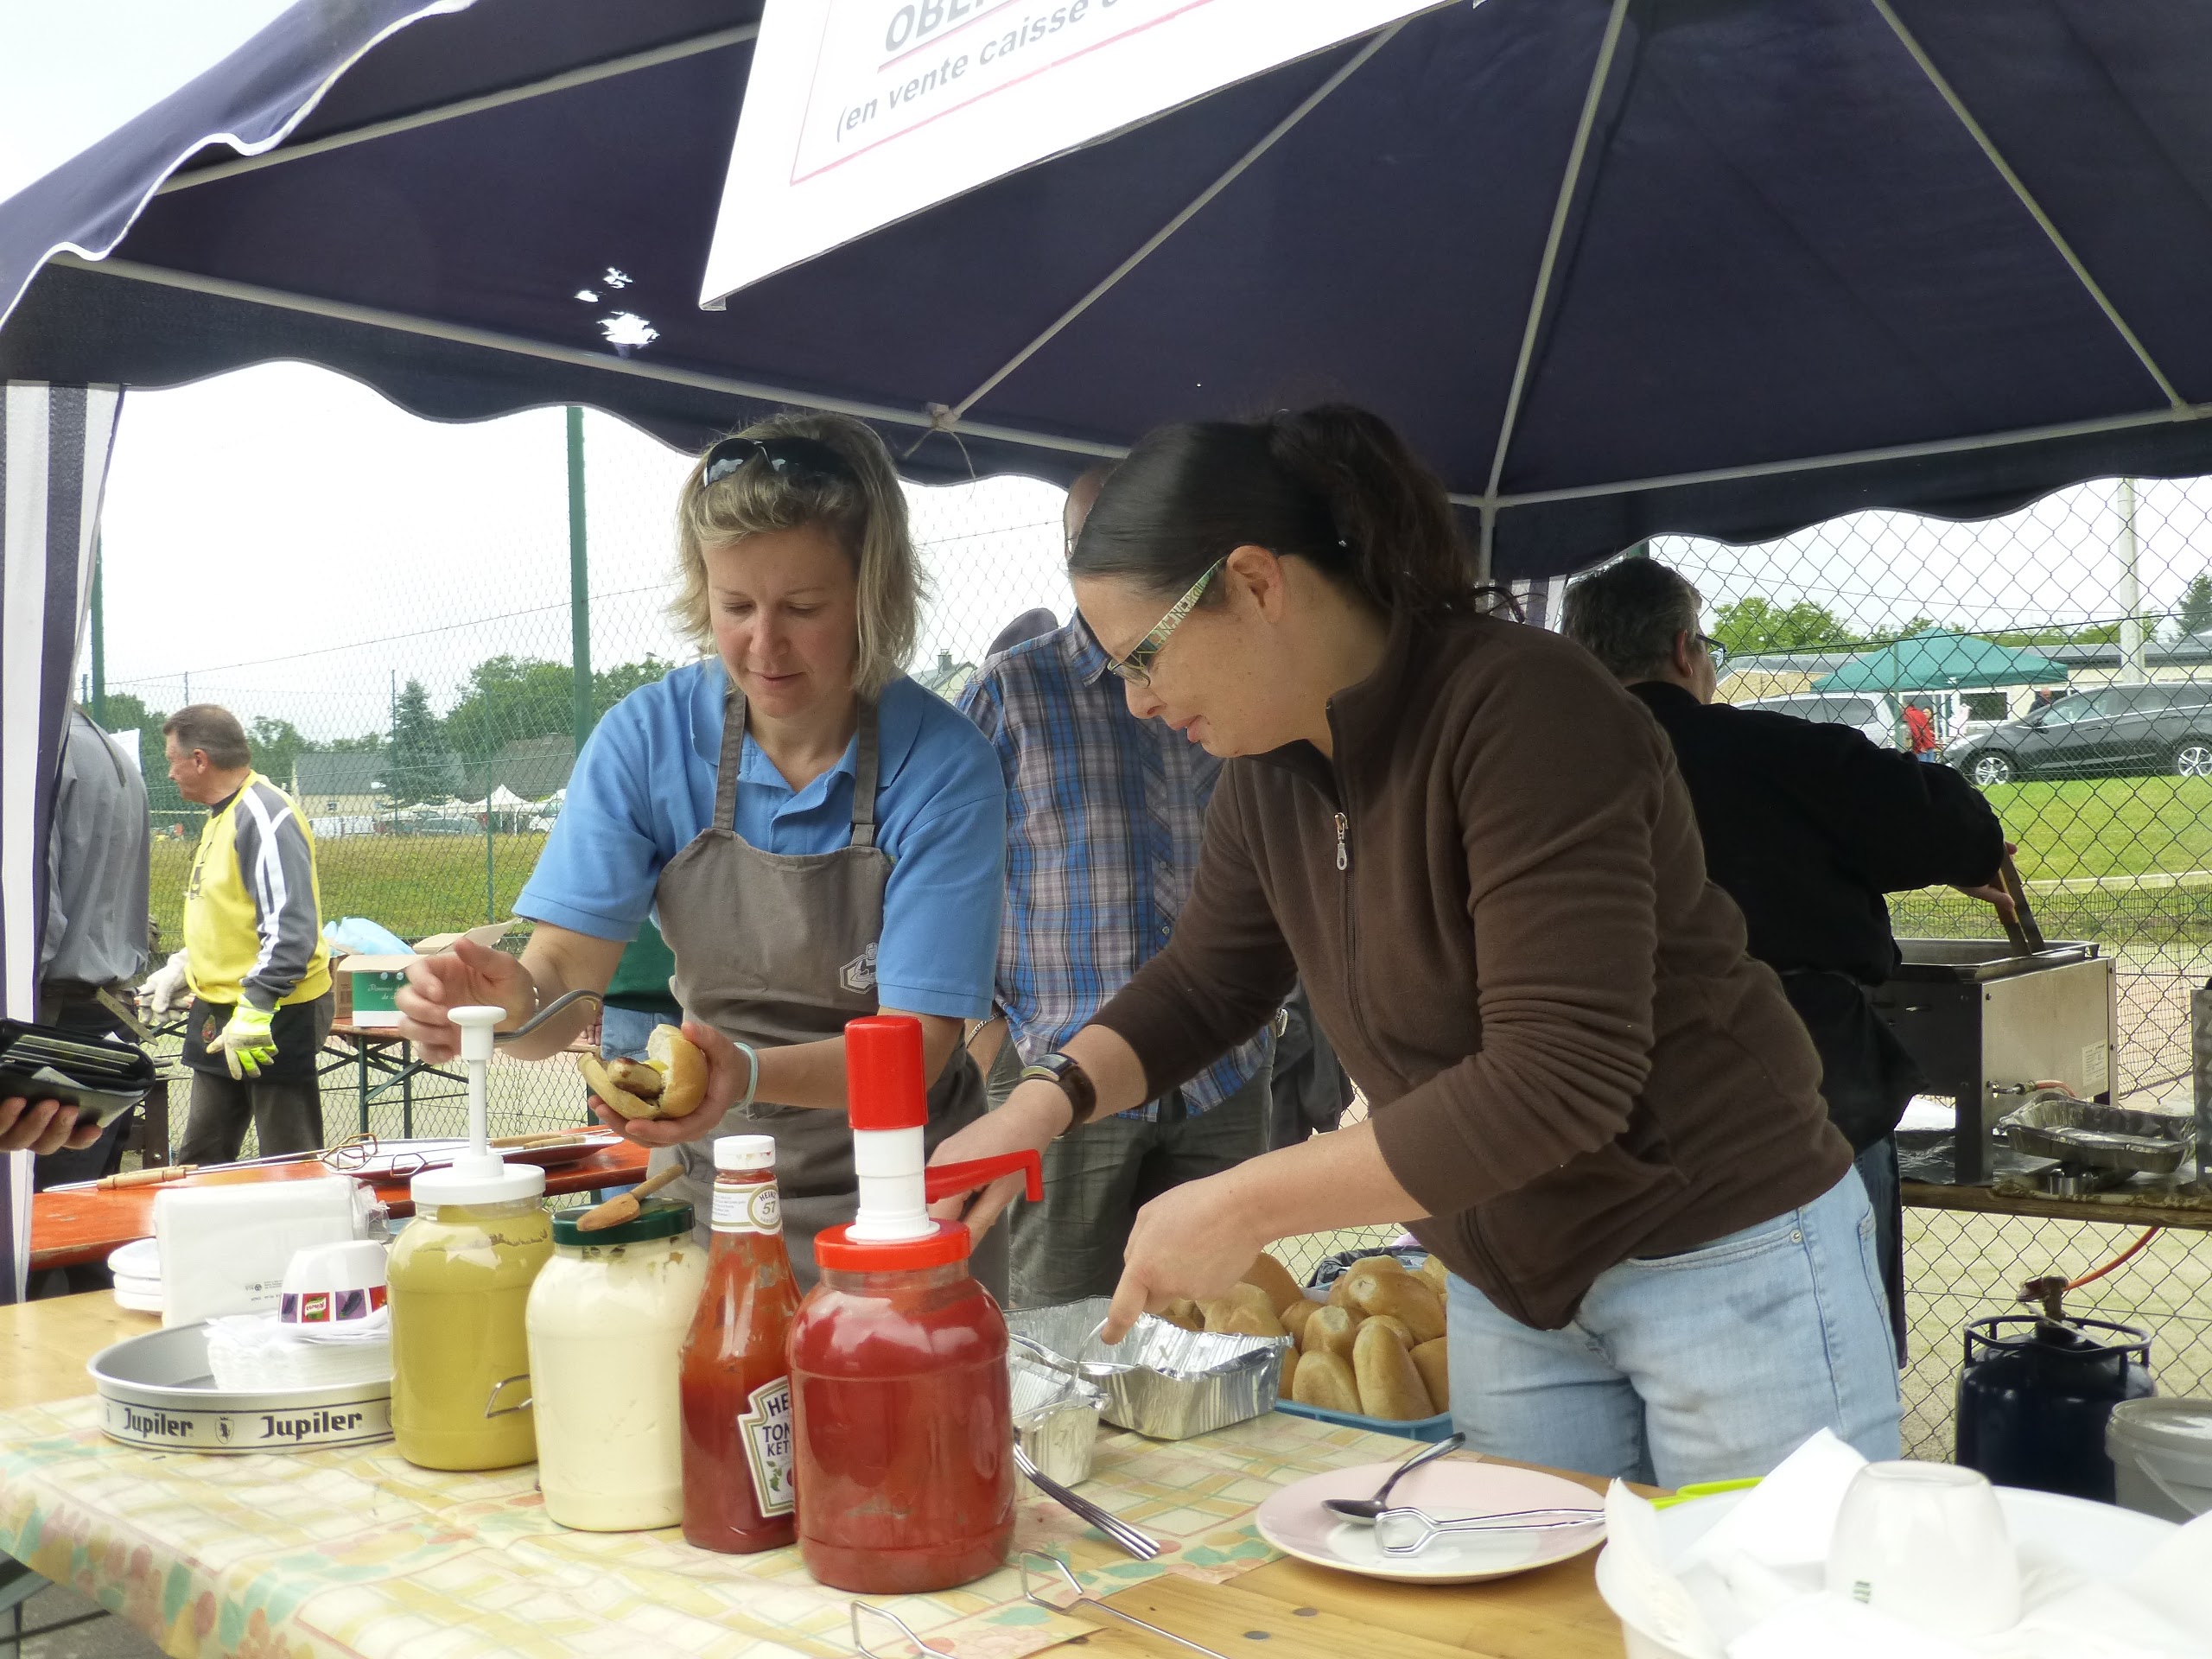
x=460, y=1274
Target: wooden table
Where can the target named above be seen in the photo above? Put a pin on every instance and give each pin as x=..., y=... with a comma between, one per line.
x=1307, y=1612
x=67, y=1227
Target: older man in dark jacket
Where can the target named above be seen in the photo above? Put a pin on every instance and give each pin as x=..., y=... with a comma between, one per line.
x=1806, y=827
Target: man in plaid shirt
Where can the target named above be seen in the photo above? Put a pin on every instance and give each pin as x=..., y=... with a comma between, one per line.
x=1105, y=817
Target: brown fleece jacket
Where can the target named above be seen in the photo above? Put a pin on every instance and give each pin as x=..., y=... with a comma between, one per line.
x=1497, y=897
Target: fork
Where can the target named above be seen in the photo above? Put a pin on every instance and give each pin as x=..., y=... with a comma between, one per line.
x=1137, y=1543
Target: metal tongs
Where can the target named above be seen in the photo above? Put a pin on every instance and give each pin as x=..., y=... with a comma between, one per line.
x=1408, y=1531
x=2026, y=935
x=545, y=1014
x=1069, y=1579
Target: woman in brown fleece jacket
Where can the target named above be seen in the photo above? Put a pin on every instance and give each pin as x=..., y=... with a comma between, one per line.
x=1477, y=851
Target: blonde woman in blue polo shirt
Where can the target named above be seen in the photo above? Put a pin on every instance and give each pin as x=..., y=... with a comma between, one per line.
x=817, y=836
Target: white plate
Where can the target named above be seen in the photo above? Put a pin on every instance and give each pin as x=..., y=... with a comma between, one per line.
x=1294, y=1521
x=136, y=1302
x=140, y=1259
x=2095, y=1540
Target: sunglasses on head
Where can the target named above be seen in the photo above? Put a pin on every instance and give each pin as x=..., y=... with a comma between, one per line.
x=792, y=457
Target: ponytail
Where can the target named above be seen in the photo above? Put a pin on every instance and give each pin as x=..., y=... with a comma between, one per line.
x=1334, y=486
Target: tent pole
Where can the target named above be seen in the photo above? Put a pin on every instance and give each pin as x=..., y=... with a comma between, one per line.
x=1852, y=458
x=1570, y=177
x=2027, y=200
x=674, y=52
x=1105, y=286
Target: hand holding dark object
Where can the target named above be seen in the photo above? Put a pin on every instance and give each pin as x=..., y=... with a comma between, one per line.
x=1993, y=894
x=42, y=1126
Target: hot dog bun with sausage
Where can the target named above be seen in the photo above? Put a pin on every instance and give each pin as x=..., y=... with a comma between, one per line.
x=671, y=1081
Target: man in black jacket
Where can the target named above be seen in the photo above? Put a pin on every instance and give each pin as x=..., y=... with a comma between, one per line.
x=1806, y=827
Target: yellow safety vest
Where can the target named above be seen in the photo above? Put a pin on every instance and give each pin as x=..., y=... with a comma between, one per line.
x=229, y=932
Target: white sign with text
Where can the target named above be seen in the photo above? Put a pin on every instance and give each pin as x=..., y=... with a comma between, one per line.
x=859, y=112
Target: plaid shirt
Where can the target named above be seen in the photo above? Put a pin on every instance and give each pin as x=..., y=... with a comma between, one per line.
x=1105, y=813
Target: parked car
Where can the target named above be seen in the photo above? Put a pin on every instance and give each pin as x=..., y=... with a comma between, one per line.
x=440, y=827
x=2135, y=730
x=1868, y=713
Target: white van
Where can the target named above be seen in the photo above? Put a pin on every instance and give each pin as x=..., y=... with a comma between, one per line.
x=1872, y=714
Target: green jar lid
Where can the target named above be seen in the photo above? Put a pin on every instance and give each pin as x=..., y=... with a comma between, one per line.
x=658, y=1219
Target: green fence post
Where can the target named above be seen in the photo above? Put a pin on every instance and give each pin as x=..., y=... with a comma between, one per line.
x=490, y=901
x=579, y=581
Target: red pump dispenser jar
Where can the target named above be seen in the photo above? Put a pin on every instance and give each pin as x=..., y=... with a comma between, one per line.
x=904, y=1428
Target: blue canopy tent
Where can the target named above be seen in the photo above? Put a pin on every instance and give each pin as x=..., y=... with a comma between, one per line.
x=1616, y=267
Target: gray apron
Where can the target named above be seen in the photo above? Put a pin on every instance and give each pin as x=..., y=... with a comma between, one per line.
x=778, y=948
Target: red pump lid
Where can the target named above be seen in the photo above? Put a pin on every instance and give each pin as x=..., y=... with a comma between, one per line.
x=884, y=1085
x=836, y=1253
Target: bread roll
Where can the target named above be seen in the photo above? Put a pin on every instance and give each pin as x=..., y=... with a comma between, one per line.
x=1242, y=1320
x=1385, y=1263
x=1251, y=1296
x=1403, y=1295
x=1271, y=1276
x=1435, y=1372
x=629, y=1089
x=1397, y=1326
x=1294, y=1317
x=1326, y=1380
x=1289, y=1378
x=1432, y=1274
x=1340, y=1290
x=1389, y=1382
x=1183, y=1313
x=1330, y=1330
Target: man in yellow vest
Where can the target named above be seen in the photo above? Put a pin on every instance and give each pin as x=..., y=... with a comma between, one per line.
x=258, y=969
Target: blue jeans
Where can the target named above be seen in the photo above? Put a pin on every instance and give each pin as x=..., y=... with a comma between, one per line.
x=1709, y=1366
x=622, y=1032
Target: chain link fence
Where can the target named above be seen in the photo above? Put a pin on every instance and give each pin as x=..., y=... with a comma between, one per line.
x=2062, y=657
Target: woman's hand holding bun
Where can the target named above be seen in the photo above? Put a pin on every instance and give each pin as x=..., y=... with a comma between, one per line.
x=681, y=1092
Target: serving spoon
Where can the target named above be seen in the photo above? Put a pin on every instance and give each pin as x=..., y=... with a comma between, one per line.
x=1366, y=1509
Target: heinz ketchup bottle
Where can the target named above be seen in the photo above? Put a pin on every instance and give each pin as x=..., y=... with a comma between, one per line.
x=904, y=1430
x=736, y=1391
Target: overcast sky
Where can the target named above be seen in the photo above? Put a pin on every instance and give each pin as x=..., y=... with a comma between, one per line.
x=291, y=542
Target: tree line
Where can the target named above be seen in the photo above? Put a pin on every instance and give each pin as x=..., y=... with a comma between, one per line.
x=1755, y=623
x=505, y=699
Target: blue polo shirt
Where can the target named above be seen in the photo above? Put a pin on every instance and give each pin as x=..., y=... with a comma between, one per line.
x=645, y=788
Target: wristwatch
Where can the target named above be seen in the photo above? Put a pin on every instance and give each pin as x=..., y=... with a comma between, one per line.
x=1074, y=1082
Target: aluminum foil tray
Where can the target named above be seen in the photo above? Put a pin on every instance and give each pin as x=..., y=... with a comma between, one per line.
x=1055, y=1417
x=2084, y=1134
x=155, y=1391
x=1159, y=1380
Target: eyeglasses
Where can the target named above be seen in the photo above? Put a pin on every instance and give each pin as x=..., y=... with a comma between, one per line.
x=792, y=457
x=1136, y=667
x=1714, y=648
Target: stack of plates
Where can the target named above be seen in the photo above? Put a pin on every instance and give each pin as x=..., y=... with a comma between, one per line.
x=137, y=1270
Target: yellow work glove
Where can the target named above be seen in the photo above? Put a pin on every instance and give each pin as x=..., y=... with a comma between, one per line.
x=246, y=1043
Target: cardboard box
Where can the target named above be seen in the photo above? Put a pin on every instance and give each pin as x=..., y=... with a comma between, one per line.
x=366, y=985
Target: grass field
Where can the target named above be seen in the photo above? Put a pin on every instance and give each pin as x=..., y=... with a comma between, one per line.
x=413, y=883
x=2100, y=833
x=2109, y=827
